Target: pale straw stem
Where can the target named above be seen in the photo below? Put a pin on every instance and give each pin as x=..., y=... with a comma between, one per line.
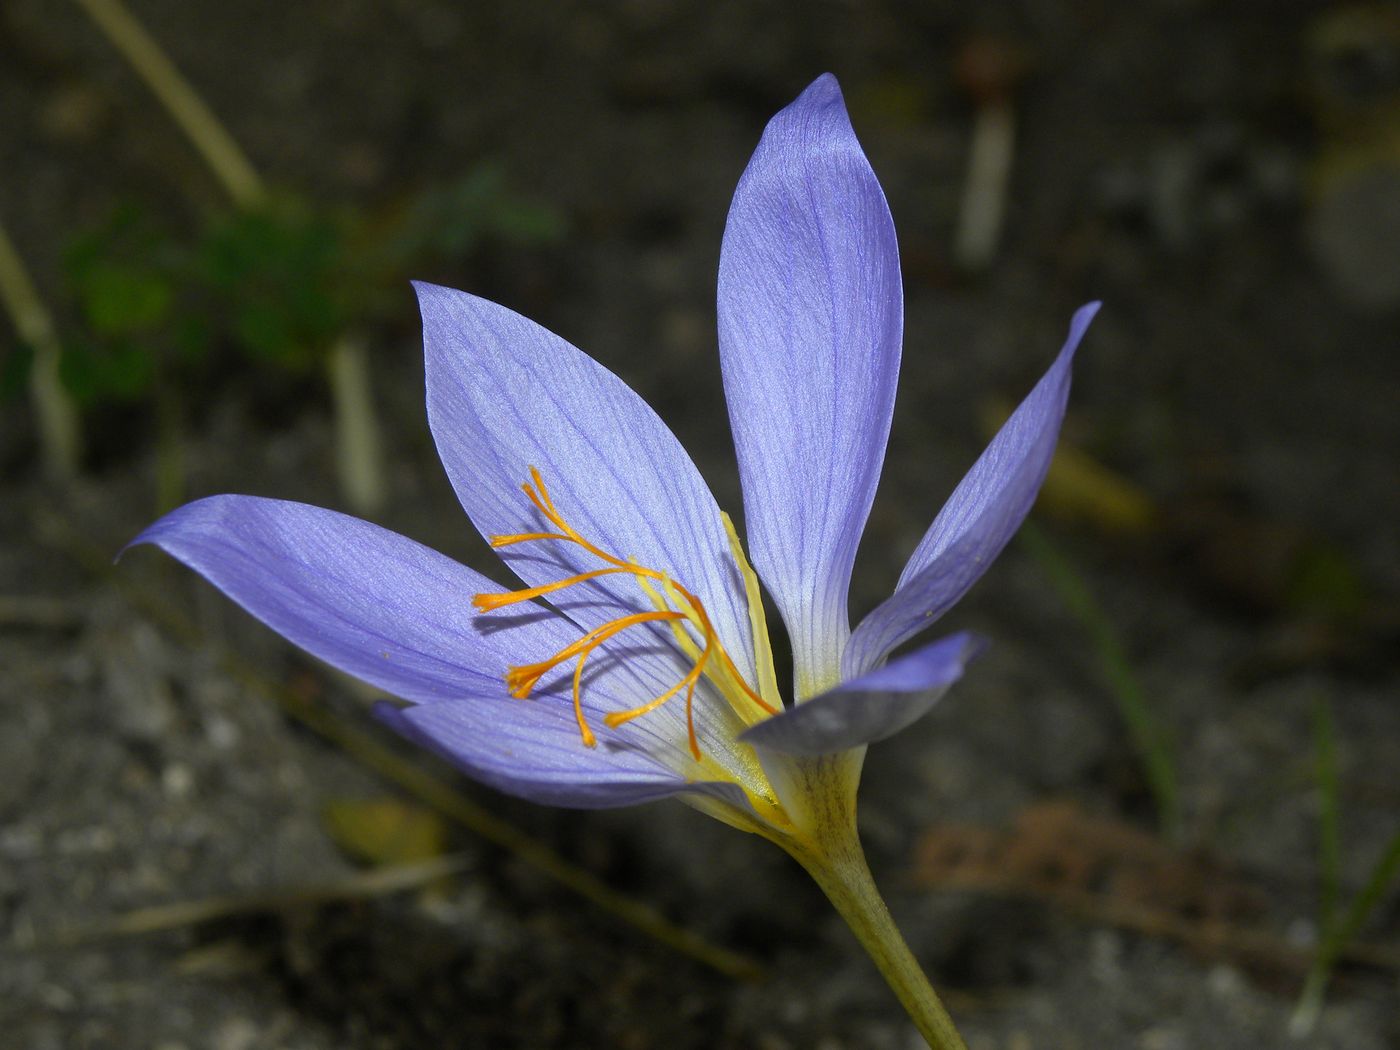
x=223, y=155
x=60, y=440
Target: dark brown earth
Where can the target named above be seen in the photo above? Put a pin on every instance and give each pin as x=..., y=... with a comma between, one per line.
x=1172, y=160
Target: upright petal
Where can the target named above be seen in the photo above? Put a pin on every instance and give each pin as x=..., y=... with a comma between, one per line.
x=505, y=395
x=398, y=615
x=978, y=520
x=810, y=320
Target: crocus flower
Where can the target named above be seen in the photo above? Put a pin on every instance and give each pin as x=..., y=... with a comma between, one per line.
x=634, y=663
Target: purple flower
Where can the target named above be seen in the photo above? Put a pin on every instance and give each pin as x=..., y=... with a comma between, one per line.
x=635, y=662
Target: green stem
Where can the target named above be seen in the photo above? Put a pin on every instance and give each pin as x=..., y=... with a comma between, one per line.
x=847, y=883
x=832, y=854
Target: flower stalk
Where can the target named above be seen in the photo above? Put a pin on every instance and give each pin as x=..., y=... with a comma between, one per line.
x=828, y=847
x=846, y=880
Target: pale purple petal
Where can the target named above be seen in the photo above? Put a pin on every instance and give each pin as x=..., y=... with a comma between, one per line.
x=368, y=601
x=505, y=395
x=872, y=707
x=397, y=614
x=535, y=753
x=810, y=322
x=978, y=520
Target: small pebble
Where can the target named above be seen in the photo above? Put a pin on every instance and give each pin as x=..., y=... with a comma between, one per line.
x=177, y=779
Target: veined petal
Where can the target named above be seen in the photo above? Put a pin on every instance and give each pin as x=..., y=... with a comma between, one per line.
x=505, y=395
x=536, y=754
x=872, y=707
x=978, y=520
x=398, y=615
x=810, y=322
x=373, y=603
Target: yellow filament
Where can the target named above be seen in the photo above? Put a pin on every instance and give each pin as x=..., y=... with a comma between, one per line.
x=729, y=679
x=668, y=600
x=758, y=622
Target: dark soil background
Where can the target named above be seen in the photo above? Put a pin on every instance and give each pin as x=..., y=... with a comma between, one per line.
x=1175, y=158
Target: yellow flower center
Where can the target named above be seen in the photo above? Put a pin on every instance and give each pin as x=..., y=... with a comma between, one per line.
x=672, y=604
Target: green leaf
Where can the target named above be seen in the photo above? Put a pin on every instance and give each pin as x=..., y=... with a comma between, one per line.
x=1149, y=737
x=14, y=371
x=279, y=276
x=451, y=221
x=1310, y=1002
x=120, y=300
x=112, y=371
x=1329, y=841
x=1323, y=581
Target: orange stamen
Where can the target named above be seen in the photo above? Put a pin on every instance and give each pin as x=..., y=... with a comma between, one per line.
x=522, y=679
x=589, y=740
x=491, y=602
x=711, y=634
x=522, y=537
x=613, y=719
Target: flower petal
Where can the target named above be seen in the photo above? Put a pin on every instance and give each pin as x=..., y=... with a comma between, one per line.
x=535, y=753
x=810, y=321
x=870, y=708
x=397, y=614
x=978, y=520
x=368, y=601
x=505, y=395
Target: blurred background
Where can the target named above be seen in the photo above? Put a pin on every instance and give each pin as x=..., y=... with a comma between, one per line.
x=1161, y=812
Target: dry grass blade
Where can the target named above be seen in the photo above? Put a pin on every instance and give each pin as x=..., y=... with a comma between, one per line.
x=379, y=882
x=59, y=433
x=220, y=151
